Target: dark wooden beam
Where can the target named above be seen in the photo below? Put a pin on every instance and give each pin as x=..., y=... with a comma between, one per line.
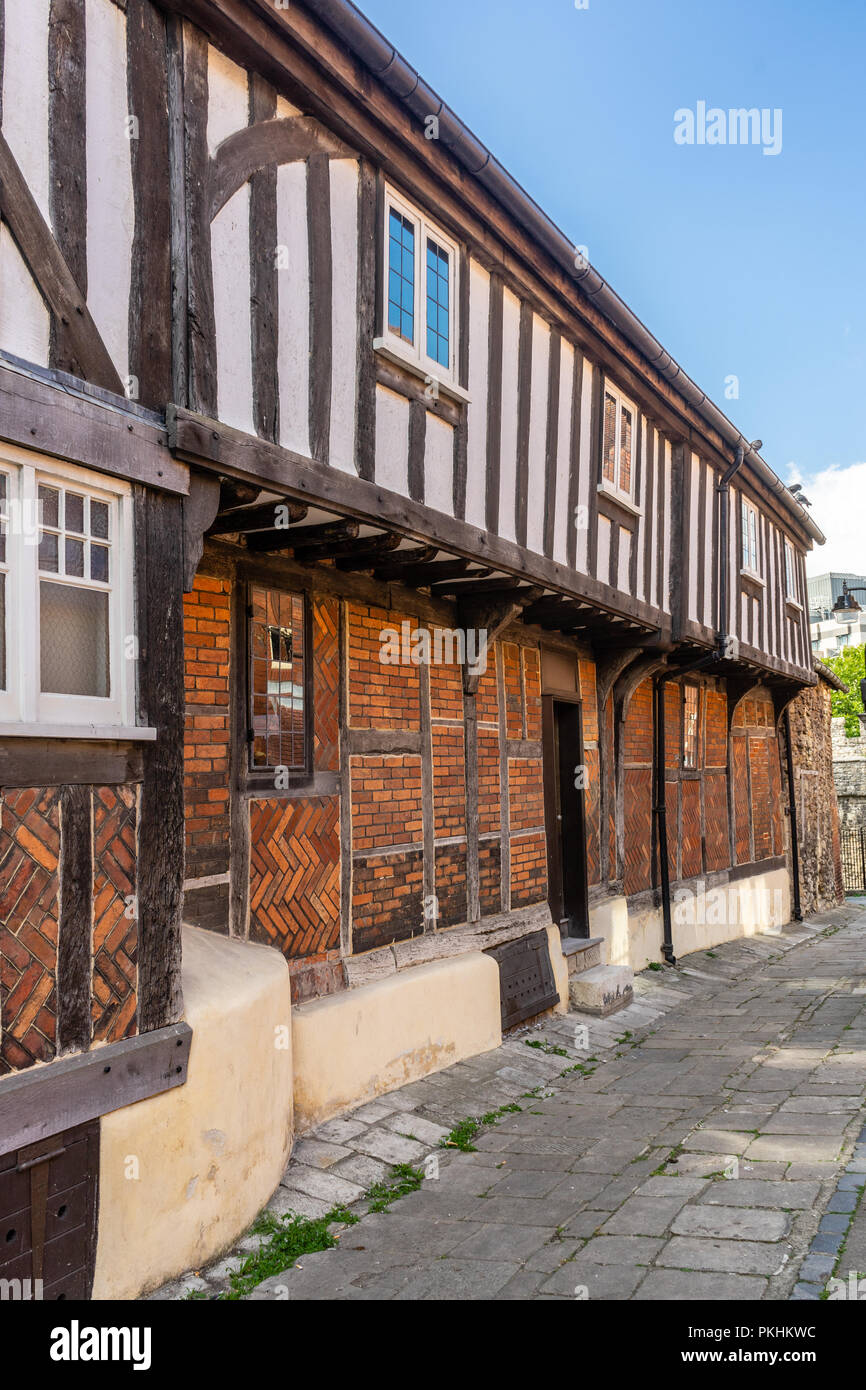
x=460, y=587
x=440, y=570
x=233, y=452
x=150, y=300
x=52, y=275
x=160, y=871
x=67, y=124
x=63, y=418
x=364, y=554
x=46, y=1100
x=264, y=145
x=409, y=562
x=304, y=537
x=260, y=518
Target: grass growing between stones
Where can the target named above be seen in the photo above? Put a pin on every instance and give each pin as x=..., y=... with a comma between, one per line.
x=290, y=1238
x=402, y=1180
x=550, y=1049
x=466, y=1130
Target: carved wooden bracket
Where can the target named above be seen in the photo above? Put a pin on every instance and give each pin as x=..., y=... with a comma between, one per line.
x=199, y=510
x=492, y=616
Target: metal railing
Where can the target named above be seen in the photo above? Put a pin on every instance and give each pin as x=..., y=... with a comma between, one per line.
x=854, y=858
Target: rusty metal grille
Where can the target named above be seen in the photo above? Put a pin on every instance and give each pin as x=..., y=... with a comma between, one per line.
x=853, y=845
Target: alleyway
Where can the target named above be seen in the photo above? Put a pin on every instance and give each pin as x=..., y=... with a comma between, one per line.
x=710, y=1154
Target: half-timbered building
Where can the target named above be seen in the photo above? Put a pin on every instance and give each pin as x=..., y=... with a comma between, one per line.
x=390, y=629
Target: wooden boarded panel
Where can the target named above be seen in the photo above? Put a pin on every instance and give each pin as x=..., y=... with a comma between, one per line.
x=48, y=1214
x=526, y=983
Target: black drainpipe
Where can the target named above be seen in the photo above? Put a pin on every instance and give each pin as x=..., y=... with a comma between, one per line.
x=659, y=682
x=792, y=801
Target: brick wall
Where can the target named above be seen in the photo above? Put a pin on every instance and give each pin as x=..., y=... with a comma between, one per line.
x=207, y=633
x=759, y=830
x=34, y=1010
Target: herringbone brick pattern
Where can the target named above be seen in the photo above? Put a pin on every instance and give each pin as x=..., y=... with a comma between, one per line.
x=716, y=821
x=638, y=829
x=326, y=683
x=758, y=761
x=591, y=812
x=777, y=814
x=295, y=874
x=29, y=913
x=739, y=768
x=692, y=848
x=115, y=928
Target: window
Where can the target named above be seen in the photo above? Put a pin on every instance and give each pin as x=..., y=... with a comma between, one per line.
x=65, y=595
x=420, y=290
x=691, y=725
x=790, y=571
x=750, y=537
x=278, y=693
x=617, y=460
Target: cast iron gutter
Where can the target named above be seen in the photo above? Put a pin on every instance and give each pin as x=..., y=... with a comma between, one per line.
x=392, y=70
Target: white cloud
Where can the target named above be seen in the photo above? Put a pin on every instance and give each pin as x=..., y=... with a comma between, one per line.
x=838, y=497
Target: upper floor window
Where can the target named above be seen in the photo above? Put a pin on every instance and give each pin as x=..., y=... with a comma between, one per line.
x=750, y=537
x=420, y=289
x=618, y=444
x=790, y=571
x=278, y=696
x=691, y=725
x=66, y=605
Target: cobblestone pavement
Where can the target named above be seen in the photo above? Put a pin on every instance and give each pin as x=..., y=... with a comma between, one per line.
x=714, y=1152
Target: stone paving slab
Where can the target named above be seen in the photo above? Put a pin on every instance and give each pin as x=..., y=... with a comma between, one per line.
x=710, y=1149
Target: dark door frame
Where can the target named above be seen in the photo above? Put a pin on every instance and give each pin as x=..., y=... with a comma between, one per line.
x=569, y=924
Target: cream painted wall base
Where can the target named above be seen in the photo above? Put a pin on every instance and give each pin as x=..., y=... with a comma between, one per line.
x=182, y=1175
x=702, y=917
x=353, y=1046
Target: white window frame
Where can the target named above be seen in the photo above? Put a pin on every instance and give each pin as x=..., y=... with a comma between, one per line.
x=605, y=484
x=790, y=572
x=24, y=708
x=415, y=354
x=748, y=509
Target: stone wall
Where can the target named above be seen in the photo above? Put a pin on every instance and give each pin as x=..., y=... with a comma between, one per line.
x=817, y=812
x=849, y=772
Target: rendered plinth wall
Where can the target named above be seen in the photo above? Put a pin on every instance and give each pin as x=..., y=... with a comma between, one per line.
x=183, y=1174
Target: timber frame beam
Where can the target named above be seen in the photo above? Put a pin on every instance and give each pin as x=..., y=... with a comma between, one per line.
x=231, y=452
x=61, y=416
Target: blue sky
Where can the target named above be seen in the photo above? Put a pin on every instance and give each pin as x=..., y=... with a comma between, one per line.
x=740, y=263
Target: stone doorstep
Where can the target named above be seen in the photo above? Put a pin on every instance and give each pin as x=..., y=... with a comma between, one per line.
x=602, y=990
x=582, y=953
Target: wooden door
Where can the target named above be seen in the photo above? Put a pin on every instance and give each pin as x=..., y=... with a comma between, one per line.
x=564, y=777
